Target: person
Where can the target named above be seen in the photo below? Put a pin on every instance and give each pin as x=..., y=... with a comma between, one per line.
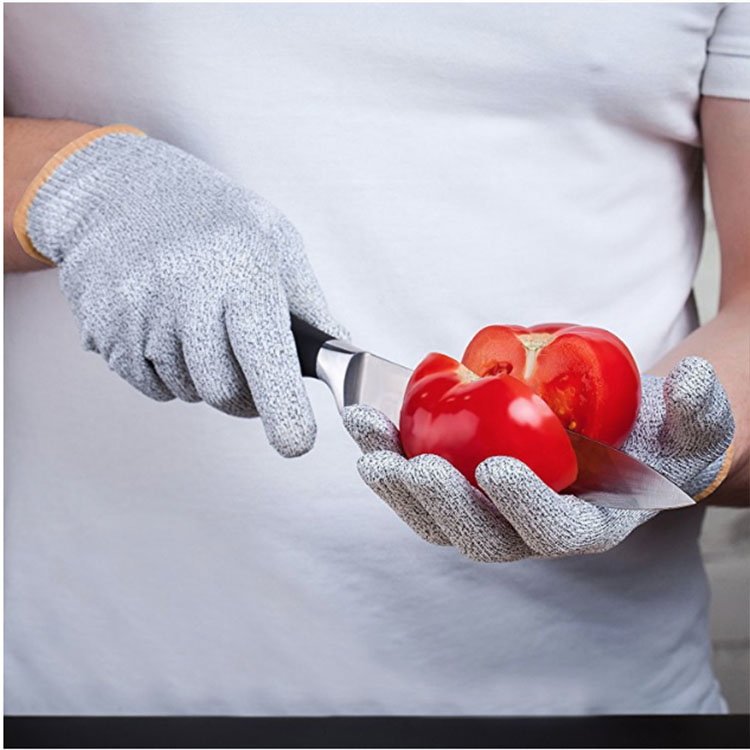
x=449, y=167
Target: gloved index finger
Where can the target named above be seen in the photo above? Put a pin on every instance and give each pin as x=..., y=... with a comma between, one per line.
x=259, y=331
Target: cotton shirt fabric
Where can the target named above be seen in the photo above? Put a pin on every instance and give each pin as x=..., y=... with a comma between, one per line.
x=449, y=166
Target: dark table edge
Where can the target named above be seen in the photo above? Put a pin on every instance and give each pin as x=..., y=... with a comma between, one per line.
x=377, y=731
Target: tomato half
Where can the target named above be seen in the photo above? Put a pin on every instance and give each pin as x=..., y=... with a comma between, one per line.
x=586, y=375
x=451, y=412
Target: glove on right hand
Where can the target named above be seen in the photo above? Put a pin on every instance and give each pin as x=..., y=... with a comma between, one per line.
x=180, y=279
x=684, y=431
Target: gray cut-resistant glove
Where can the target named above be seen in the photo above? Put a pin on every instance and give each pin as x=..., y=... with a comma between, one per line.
x=684, y=430
x=182, y=280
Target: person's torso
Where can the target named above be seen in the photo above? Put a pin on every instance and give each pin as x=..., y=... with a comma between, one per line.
x=449, y=166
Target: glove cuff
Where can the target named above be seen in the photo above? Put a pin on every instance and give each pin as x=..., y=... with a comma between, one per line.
x=712, y=476
x=21, y=215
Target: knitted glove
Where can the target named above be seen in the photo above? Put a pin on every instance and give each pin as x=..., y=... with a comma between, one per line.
x=684, y=431
x=180, y=279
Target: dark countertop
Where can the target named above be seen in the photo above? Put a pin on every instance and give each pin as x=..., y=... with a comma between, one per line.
x=387, y=731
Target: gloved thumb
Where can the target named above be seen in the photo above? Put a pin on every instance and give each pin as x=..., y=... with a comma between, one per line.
x=699, y=425
x=699, y=418
x=303, y=292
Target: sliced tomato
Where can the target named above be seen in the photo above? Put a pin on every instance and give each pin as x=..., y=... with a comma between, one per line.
x=586, y=375
x=451, y=412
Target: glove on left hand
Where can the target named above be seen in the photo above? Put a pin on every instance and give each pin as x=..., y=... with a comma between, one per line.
x=684, y=431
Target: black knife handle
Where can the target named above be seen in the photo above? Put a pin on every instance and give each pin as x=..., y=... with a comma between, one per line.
x=308, y=340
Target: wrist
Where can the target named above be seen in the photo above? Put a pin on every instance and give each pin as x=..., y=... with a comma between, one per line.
x=29, y=143
x=67, y=140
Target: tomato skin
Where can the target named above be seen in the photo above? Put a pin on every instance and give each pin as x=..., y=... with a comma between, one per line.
x=586, y=375
x=450, y=412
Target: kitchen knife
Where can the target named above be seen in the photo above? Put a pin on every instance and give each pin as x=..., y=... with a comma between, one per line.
x=606, y=476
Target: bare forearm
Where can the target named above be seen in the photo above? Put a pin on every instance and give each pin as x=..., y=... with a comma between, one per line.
x=725, y=342
x=29, y=143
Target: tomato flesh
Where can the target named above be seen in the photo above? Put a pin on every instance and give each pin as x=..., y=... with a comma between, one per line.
x=449, y=411
x=586, y=375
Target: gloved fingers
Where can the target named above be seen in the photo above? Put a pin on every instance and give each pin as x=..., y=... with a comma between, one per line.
x=472, y=525
x=303, y=292
x=123, y=352
x=177, y=380
x=552, y=525
x=371, y=430
x=259, y=331
x=140, y=373
x=165, y=353
x=699, y=425
x=385, y=473
x=213, y=368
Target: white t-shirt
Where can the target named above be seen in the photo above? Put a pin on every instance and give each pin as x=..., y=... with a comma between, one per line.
x=449, y=166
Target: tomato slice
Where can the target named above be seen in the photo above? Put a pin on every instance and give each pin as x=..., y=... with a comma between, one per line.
x=497, y=350
x=451, y=412
x=586, y=375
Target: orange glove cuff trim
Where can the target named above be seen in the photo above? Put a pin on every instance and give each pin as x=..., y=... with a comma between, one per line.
x=22, y=210
x=720, y=477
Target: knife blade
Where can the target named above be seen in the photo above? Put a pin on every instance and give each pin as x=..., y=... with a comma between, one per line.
x=606, y=476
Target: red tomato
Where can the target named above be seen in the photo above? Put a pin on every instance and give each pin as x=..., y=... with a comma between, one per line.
x=586, y=375
x=451, y=412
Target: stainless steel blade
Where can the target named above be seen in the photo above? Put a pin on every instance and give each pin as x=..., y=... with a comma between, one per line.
x=376, y=382
x=606, y=476
x=612, y=479
x=358, y=377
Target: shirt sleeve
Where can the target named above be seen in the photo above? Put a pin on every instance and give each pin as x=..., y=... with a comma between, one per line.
x=727, y=70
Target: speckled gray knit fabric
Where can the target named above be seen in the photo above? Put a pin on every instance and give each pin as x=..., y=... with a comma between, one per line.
x=683, y=430
x=182, y=280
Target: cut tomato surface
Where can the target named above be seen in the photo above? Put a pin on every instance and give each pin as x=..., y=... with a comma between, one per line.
x=586, y=375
